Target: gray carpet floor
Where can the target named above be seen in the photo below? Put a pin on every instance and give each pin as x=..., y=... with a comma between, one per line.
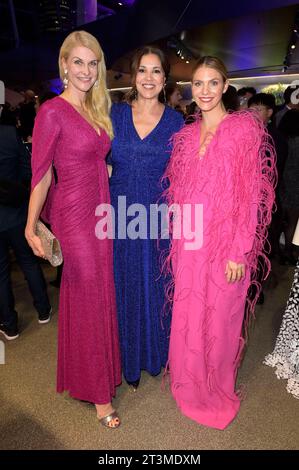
x=34, y=416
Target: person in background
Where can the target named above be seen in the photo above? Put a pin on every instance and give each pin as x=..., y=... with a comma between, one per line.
x=289, y=190
x=231, y=99
x=27, y=115
x=8, y=115
x=15, y=175
x=72, y=135
x=43, y=97
x=264, y=104
x=117, y=96
x=221, y=182
x=173, y=95
x=291, y=101
x=285, y=356
x=140, y=151
x=244, y=94
x=191, y=112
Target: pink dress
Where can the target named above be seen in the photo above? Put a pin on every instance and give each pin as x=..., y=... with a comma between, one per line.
x=233, y=181
x=88, y=348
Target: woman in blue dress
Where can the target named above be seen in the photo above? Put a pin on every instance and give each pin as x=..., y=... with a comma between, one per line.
x=140, y=152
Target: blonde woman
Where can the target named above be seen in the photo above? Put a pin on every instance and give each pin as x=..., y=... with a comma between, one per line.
x=71, y=139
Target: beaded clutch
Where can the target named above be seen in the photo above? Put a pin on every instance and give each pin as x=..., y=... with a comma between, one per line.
x=50, y=244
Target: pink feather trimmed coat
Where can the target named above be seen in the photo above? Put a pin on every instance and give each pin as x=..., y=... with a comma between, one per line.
x=234, y=182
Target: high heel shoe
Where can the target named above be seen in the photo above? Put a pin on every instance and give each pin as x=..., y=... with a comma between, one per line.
x=134, y=384
x=108, y=420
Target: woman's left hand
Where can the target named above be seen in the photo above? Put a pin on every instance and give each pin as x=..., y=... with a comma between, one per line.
x=234, y=271
x=109, y=169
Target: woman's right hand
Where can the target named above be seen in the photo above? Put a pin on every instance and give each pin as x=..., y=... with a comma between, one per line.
x=34, y=243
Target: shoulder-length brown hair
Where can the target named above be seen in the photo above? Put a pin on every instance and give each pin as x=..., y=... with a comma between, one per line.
x=135, y=63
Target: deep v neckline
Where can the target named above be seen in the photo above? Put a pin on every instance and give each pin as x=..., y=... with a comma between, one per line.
x=153, y=129
x=77, y=112
x=211, y=138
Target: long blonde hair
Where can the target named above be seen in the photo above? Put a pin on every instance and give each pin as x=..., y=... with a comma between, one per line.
x=98, y=103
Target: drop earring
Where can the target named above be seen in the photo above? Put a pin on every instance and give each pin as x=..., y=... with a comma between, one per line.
x=65, y=80
x=96, y=83
x=164, y=94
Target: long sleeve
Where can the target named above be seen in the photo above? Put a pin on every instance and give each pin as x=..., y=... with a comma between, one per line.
x=253, y=180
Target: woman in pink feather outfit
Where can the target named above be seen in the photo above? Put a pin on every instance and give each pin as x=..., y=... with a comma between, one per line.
x=72, y=133
x=221, y=164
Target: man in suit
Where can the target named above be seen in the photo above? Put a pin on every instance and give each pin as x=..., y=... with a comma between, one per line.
x=14, y=174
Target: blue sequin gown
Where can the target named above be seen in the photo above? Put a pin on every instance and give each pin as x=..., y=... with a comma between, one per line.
x=138, y=165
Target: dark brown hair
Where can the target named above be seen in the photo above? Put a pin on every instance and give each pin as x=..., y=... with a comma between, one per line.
x=135, y=62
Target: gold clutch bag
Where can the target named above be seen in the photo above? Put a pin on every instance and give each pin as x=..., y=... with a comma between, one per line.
x=50, y=244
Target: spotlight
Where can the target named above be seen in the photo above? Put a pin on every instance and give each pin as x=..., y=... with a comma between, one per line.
x=180, y=49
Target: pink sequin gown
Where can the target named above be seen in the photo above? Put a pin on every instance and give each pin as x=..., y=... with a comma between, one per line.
x=233, y=181
x=88, y=348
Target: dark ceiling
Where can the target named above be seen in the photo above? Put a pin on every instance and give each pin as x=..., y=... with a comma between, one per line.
x=251, y=37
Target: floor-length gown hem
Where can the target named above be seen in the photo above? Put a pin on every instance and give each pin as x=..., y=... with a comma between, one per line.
x=217, y=421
